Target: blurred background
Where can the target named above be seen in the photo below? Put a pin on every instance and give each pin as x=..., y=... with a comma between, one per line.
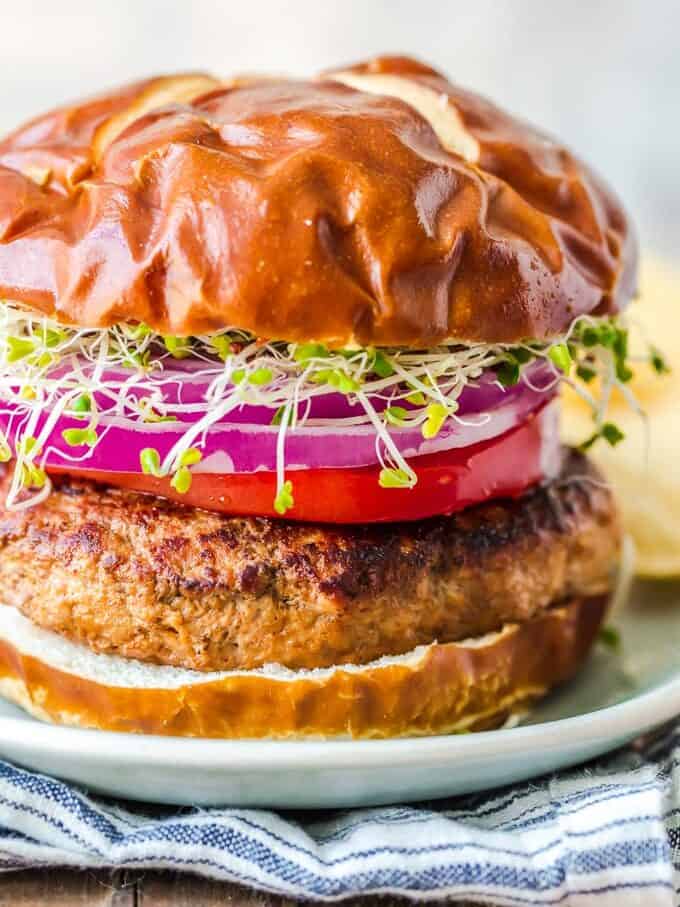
x=604, y=75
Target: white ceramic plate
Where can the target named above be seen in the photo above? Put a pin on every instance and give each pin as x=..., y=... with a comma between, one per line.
x=616, y=697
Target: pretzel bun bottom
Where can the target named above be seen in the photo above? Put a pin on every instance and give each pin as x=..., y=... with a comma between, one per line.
x=455, y=687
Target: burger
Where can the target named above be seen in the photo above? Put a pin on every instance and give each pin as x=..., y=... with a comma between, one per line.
x=279, y=375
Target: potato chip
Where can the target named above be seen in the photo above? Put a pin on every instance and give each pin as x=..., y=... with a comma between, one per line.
x=644, y=468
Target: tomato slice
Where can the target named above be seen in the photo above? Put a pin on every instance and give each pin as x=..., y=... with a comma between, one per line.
x=447, y=482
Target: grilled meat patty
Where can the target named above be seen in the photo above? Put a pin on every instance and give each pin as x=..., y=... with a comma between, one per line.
x=142, y=577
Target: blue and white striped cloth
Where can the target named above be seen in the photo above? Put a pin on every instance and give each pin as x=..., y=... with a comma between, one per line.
x=605, y=835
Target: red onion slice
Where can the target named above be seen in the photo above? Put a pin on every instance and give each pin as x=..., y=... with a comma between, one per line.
x=247, y=442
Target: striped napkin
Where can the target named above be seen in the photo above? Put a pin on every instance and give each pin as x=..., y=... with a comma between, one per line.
x=606, y=834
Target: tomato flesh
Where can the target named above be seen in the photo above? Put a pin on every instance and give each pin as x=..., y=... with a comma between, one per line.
x=447, y=482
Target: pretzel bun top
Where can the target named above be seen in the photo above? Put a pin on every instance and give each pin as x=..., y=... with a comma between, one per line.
x=375, y=205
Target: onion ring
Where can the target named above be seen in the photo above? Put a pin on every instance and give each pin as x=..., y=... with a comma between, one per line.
x=246, y=442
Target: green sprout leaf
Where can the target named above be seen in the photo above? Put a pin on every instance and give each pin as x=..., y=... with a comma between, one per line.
x=284, y=499
x=396, y=415
x=394, y=478
x=221, y=343
x=149, y=414
x=344, y=383
x=437, y=414
x=75, y=437
x=381, y=365
x=138, y=331
x=521, y=354
x=81, y=406
x=178, y=347
x=336, y=378
x=238, y=375
x=133, y=359
x=150, y=461
x=323, y=376
x=560, y=357
x=42, y=360
x=587, y=336
x=18, y=348
x=620, y=351
x=417, y=398
x=610, y=637
x=507, y=373
x=586, y=374
x=28, y=447
x=261, y=376
x=181, y=481
x=33, y=476
x=51, y=337
x=607, y=335
x=658, y=362
x=306, y=351
x=612, y=433
x=620, y=343
x=623, y=372
x=190, y=457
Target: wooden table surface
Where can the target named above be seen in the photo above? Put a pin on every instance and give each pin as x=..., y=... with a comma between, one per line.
x=61, y=888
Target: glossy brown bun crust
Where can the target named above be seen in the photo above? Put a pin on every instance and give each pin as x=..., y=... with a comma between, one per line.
x=381, y=205
x=444, y=689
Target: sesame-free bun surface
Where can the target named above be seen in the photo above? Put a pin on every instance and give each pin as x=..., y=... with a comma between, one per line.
x=469, y=685
x=379, y=204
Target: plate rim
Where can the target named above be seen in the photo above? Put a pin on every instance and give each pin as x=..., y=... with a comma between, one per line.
x=619, y=721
